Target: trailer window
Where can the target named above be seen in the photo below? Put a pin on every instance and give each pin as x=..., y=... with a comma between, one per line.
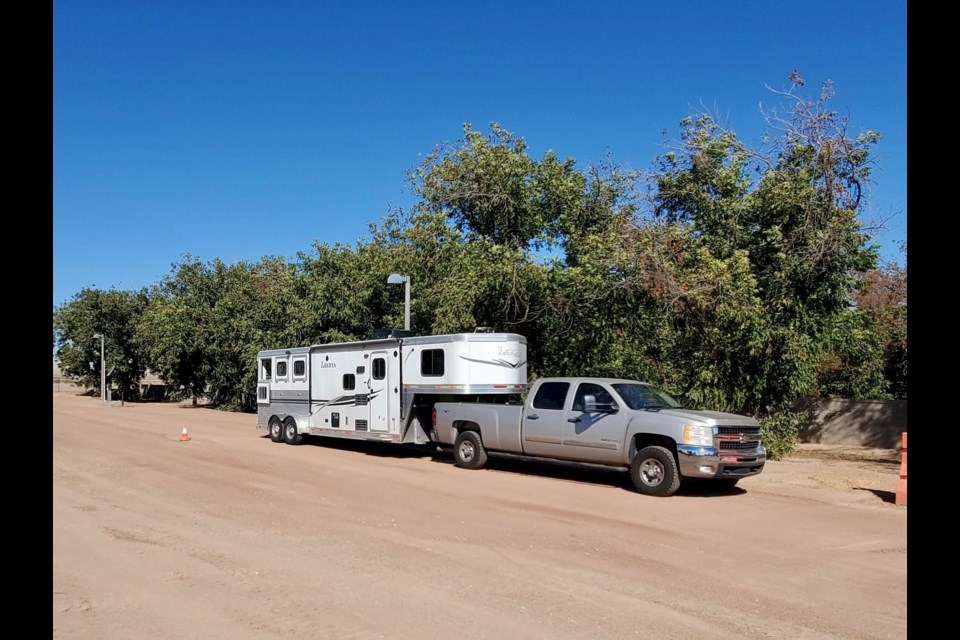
x=551, y=395
x=265, y=366
x=349, y=381
x=379, y=369
x=299, y=368
x=281, y=368
x=431, y=362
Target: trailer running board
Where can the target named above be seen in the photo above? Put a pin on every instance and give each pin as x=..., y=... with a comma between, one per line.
x=356, y=435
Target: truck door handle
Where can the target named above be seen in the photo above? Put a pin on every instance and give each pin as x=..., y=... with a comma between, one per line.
x=573, y=419
x=533, y=416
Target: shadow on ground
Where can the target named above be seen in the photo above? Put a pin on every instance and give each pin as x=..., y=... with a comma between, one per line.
x=499, y=463
x=889, y=497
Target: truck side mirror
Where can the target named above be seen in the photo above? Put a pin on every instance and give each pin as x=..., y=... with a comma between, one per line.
x=590, y=405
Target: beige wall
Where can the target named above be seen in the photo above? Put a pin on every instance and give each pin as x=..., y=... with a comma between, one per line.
x=66, y=385
x=864, y=423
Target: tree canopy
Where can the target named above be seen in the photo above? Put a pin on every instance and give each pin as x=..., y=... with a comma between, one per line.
x=741, y=278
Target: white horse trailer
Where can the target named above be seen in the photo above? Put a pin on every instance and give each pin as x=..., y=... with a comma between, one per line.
x=383, y=389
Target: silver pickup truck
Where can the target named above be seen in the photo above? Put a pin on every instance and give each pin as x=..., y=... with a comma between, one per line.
x=611, y=422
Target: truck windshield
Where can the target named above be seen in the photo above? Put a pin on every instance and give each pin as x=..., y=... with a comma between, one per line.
x=643, y=396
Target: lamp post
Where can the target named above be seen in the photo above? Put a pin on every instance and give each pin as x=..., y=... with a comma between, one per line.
x=396, y=278
x=103, y=371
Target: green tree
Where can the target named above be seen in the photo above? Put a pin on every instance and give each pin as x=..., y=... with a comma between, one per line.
x=490, y=186
x=794, y=211
x=882, y=296
x=113, y=314
x=173, y=331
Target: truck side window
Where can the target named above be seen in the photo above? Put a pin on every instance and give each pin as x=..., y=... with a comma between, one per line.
x=551, y=395
x=589, y=389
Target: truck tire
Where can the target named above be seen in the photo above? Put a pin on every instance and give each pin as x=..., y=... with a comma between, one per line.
x=276, y=429
x=290, y=435
x=468, y=451
x=654, y=472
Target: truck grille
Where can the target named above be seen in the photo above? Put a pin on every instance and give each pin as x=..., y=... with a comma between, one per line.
x=739, y=446
x=736, y=431
x=738, y=440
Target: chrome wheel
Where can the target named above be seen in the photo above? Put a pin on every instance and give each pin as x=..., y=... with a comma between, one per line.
x=467, y=451
x=651, y=472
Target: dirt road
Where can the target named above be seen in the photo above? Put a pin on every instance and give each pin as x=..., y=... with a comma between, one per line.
x=230, y=536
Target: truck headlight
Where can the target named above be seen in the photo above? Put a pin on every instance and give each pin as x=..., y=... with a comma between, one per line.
x=698, y=435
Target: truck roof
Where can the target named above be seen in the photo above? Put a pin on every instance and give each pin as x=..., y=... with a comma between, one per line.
x=591, y=379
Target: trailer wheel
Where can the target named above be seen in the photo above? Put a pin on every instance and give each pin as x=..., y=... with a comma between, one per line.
x=654, y=472
x=276, y=429
x=468, y=451
x=290, y=435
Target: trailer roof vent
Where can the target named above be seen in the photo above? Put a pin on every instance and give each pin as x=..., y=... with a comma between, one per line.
x=391, y=333
x=483, y=330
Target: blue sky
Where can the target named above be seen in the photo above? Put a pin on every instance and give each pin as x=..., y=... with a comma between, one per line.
x=240, y=129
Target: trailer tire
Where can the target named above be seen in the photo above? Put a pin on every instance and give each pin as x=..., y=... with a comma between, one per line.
x=468, y=451
x=276, y=429
x=654, y=472
x=290, y=435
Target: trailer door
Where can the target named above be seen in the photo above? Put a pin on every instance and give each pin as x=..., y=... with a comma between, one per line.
x=379, y=383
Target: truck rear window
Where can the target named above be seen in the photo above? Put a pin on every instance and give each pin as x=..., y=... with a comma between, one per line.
x=551, y=395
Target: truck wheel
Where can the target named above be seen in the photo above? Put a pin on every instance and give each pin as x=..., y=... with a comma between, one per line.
x=654, y=472
x=290, y=435
x=276, y=429
x=468, y=451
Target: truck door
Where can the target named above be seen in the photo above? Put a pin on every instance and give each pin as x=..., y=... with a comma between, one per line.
x=596, y=436
x=379, y=386
x=543, y=421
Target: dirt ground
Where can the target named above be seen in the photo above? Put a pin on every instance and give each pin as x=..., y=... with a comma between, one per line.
x=231, y=536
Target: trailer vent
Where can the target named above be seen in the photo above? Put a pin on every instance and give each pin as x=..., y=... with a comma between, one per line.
x=361, y=399
x=360, y=425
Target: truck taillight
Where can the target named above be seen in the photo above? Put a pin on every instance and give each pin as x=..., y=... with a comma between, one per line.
x=433, y=417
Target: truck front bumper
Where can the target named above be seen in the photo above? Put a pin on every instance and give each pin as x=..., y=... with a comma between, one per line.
x=709, y=462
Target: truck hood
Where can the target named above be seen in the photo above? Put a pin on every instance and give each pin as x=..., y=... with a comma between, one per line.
x=712, y=418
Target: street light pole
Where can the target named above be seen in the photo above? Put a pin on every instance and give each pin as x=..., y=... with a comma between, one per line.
x=396, y=278
x=103, y=371
x=406, y=304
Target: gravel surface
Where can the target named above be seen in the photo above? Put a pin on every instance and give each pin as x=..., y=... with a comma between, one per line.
x=230, y=536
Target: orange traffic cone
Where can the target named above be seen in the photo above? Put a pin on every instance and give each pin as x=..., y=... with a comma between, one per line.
x=183, y=435
x=901, y=498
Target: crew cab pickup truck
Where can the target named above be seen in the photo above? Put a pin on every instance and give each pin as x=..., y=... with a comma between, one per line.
x=607, y=421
